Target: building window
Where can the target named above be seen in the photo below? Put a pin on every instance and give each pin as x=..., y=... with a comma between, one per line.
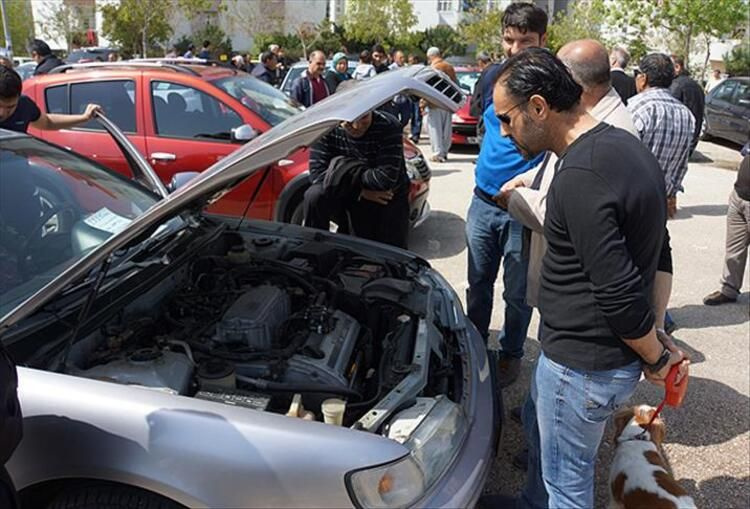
x=445, y=5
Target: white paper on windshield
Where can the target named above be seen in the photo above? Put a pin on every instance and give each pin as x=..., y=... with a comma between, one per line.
x=107, y=221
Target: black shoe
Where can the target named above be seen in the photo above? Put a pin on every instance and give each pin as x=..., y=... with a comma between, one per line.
x=515, y=414
x=716, y=298
x=497, y=502
x=521, y=460
x=508, y=370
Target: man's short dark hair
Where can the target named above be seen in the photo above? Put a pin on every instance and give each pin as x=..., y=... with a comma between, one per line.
x=525, y=17
x=378, y=48
x=267, y=56
x=658, y=68
x=10, y=83
x=537, y=71
x=39, y=47
x=206, y=43
x=364, y=56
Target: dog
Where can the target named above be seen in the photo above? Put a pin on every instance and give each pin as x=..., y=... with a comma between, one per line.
x=638, y=476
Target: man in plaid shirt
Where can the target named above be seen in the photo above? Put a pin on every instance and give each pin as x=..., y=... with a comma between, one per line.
x=665, y=124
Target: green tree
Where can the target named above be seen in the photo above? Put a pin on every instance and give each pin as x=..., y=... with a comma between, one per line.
x=682, y=21
x=371, y=21
x=582, y=20
x=20, y=26
x=482, y=27
x=738, y=61
x=137, y=25
x=221, y=44
x=448, y=40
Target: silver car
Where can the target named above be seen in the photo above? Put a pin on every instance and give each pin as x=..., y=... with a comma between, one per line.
x=168, y=358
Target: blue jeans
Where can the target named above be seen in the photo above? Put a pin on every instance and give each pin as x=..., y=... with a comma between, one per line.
x=564, y=420
x=493, y=235
x=416, y=119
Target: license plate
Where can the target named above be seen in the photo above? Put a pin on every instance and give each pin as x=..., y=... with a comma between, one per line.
x=472, y=140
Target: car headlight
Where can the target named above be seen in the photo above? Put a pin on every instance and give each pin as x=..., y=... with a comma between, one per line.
x=433, y=445
x=411, y=170
x=456, y=119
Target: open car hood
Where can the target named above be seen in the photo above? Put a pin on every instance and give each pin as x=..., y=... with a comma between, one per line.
x=299, y=131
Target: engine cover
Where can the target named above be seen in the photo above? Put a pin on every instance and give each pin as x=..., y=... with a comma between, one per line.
x=326, y=357
x=254, y=317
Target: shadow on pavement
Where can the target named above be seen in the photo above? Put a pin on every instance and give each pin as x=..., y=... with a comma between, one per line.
x=700, y=316
x=701, y=210
x=696, y=356
x=731, y=491
x=699, y=157
x=443, y=173
x=712, y=412
x=442, y=235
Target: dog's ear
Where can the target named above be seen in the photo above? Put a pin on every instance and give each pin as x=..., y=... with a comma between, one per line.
x=621, y=419
x=657, y=430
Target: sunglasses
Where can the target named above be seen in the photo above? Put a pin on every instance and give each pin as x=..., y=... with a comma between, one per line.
x=505, y=118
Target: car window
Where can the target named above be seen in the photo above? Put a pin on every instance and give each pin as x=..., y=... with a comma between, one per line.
x=55, y=207
x=467, y=80
x=268, y=102
x=185, y=112
x=116, y=97
x=742, y=93
x=724, y=91
x=57, y=99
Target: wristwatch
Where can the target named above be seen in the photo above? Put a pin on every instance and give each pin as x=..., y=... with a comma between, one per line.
x=660, y=362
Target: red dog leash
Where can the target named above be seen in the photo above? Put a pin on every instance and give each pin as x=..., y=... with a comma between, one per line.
x=673, y=393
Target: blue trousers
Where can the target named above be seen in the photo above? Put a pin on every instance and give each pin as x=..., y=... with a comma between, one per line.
x=564, y=419
x=492, y=236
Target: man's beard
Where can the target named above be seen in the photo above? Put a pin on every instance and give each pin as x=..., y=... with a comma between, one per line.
x=531, y=131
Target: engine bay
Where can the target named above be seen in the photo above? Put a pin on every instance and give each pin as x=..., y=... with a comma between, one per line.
x=285, y=326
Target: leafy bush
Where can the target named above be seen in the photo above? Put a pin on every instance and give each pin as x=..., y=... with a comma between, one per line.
x=738, y=61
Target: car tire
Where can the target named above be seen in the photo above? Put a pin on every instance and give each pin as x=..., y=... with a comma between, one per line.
x=705, y=136
x=99, y=496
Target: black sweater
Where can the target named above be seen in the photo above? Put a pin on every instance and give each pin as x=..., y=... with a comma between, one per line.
x=604, y=225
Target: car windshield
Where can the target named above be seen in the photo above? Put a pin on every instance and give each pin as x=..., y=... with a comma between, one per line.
x=55, y=207
x=273, y=106
x=467, y=80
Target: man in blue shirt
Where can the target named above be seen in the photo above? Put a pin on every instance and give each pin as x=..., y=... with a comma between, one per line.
x=492, y=235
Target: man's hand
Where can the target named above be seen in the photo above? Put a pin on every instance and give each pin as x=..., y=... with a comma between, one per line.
x=676, y=357
x=90, y=110
x=379, y=197
x=503, y=196
x=667, y=341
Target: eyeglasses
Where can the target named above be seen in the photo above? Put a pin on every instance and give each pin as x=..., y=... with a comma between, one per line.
x=504, y=117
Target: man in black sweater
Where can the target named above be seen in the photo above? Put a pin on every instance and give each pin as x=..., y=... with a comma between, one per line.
x=685, y=89
x=621, y=82
x=604, y=225
x=374, y=191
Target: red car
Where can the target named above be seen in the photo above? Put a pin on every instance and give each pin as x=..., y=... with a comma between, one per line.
x=463, y=124
x=186, y=115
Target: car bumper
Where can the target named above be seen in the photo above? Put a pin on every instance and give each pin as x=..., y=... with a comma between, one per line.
x=464, y=134
x=462, y=484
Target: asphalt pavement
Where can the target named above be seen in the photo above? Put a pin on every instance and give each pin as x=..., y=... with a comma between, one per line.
x=708, y=438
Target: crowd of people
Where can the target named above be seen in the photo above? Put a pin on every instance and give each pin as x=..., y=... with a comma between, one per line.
x=576, y=156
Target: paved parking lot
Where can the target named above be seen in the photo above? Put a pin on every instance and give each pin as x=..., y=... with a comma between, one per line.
x=708, y=439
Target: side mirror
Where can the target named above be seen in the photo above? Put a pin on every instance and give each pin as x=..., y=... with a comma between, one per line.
x=243, y=133
x=180, y=179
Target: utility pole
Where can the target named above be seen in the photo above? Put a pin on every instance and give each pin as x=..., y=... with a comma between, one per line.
x=8, y=42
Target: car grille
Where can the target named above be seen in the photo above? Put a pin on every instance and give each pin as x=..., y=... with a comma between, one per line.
x=419, y=166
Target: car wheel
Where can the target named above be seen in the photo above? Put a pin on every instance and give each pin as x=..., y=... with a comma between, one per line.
x=111, y=497
x=297, y=215
x=705, y=136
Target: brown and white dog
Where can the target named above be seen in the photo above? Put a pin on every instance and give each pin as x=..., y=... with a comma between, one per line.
x=638, y=477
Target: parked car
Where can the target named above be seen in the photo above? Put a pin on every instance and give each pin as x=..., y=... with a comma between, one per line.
x=728, y=111
x=26, y=69
x=185, y=117
x=463, y=123
x=297, y=68
x=173, y=358
x=90, y=54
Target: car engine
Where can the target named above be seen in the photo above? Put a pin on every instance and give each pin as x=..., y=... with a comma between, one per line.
x=299, y=325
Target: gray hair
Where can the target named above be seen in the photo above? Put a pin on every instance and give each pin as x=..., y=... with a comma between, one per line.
x=621, y=56
x=433, y=52
x=273, y=48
